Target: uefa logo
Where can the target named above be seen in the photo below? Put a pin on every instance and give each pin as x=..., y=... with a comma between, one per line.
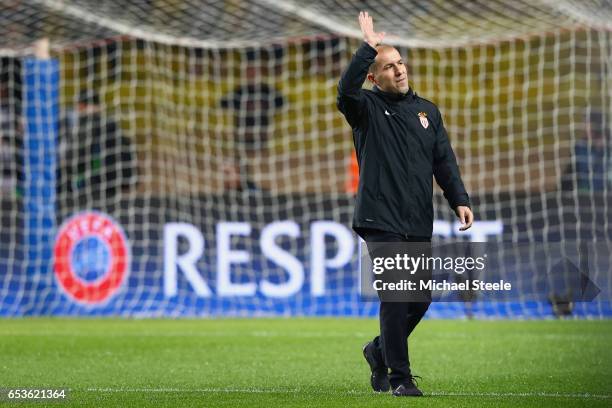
x=92, y=257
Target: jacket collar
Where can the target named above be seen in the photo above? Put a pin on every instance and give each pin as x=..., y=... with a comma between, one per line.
x=394, y=96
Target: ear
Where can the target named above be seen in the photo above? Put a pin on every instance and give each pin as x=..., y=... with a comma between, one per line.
x=372, y=79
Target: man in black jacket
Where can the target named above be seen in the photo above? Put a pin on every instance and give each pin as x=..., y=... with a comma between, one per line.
x=401, y=145
x=97, y=161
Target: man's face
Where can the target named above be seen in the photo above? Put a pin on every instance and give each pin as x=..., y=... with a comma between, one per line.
x=390, y=73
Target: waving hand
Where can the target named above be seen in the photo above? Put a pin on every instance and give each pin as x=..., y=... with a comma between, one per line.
x=367, y=28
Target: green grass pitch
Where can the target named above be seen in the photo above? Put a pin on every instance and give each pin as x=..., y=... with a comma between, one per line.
x=305, y=362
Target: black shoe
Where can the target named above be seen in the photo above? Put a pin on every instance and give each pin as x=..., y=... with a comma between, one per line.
x=408, y=389
x=379, y=380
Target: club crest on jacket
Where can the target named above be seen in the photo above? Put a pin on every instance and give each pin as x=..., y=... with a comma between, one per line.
x=423, y=118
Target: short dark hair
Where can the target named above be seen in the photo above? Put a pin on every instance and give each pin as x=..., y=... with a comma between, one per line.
x=89, y=97
x=381, y=47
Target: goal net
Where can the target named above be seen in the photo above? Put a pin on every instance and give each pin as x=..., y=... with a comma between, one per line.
x=180, y=157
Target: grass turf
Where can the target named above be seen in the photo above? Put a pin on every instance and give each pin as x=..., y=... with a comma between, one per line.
x=305, y=362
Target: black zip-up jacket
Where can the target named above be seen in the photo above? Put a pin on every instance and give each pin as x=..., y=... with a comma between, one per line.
x=401, y=143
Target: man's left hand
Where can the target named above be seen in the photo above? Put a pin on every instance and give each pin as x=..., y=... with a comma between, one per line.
x=466, y=217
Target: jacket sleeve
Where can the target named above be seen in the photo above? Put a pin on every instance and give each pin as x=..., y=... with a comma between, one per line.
x=351, y=101
x=445, y=167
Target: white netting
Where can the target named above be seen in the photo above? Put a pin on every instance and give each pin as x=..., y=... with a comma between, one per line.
x=206, y=113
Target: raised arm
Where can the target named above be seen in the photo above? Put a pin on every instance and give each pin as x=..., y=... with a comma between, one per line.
x=350, y=99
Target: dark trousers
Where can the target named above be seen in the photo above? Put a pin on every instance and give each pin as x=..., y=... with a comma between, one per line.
x=397, y=319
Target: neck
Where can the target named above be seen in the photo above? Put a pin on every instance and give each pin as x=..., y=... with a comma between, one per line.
x=394, y=95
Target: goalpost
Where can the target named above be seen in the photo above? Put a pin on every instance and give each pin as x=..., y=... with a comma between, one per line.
x=201, y=143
